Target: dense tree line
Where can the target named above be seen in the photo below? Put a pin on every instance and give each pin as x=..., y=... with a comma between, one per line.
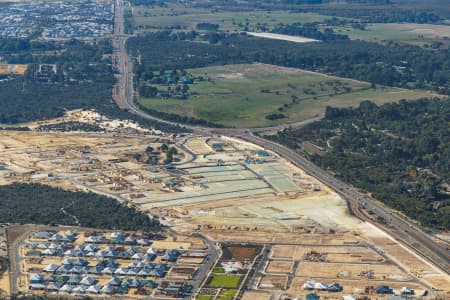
x=83, y=79
x=24, y=101
x=309, y=30
x=391, y=65
x=70, y=126
x=54, y=206
x=399, y=152
x=387, y=14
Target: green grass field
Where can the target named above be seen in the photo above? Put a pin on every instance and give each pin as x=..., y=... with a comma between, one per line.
x=205, y=297
x=416, y=34
x=225, y=281
x=188, y=17
x=227, y=294
x=243, y=95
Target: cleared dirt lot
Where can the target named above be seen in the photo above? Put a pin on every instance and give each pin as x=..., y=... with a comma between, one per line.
x=351, y=271
x=242, y=252
x=279, y=267
x=345, y=254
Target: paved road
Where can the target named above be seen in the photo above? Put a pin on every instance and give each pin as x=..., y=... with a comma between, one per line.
x=14, y=263
x=204, y=269
x=397, y=227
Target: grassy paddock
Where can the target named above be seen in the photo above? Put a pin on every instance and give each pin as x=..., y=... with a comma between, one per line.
x=225, y=281
x=243, y=95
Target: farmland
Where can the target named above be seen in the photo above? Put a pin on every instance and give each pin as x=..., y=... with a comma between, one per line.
x=178, y=15
x=416, y=34
x=244, y=95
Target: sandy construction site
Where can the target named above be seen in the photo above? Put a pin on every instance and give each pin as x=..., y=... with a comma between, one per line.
x=230, y=191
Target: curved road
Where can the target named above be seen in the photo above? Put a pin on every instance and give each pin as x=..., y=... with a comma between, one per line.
x=397, y=227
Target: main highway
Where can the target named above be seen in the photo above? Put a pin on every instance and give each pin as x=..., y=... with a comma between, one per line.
x=396, y=226
x=393, y=224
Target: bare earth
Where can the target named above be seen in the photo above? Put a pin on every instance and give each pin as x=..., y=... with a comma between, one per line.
x=284, y=37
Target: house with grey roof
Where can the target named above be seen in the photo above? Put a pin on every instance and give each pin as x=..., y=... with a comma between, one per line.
x=94, y=289
x=67, y=288
x=115, y=281
x=108, y=289
x=51, y=268
x=121, y=271
x=88, y=280
x=53, y=287
x=79, y=289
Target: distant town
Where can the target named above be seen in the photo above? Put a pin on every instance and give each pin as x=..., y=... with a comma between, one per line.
x=57, y=20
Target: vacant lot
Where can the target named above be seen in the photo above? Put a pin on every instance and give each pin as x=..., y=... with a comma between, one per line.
x=417, y=34
x=278, y=282
x=245, y=95
x=225, y=281
x=279, y=266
